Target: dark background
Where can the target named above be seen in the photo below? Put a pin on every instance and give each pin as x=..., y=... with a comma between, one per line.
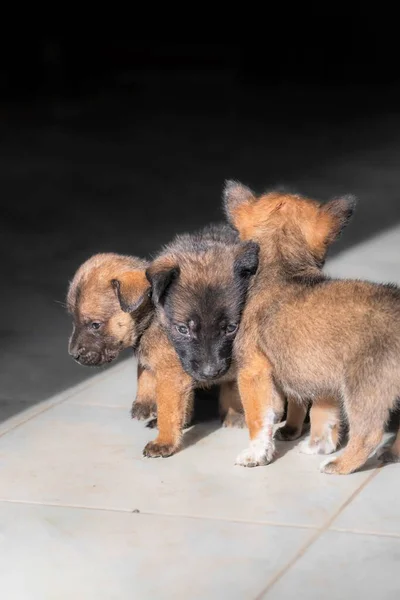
x=118, y=144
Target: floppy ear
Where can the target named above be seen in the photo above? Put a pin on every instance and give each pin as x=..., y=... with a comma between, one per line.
x=161, y=274
x=131, y=289
x=339, y=212
x=234, y=195
x=246, y=262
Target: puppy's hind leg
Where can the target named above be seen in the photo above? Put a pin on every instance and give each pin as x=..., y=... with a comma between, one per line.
x=325, y=428
x=230, y=405
x=293, y=427
x=366, y=428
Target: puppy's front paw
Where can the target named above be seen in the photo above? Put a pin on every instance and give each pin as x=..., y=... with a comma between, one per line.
x=143, y=410
x=328, y=466
x=155, y=450
x=234, y=419
x=334, y=466
x=255, y=456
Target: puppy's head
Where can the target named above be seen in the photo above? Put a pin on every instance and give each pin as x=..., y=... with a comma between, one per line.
x=295, y=226
x=108, y=300
x=200, y=298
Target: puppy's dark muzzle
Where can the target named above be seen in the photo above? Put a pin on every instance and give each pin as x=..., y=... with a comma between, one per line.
x=94, y=359
x=88, y=359
x=211, y=372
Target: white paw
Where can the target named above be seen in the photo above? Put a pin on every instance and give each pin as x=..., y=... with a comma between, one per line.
x=317, y=446
x=324, y=466
x=254, y=456
x=306, y=448
x=262, y=448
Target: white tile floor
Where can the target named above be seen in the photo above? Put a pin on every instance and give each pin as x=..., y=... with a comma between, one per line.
x=83, y=515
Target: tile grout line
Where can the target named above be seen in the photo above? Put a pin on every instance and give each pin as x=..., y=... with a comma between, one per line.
x=362, y=532
x=157, y=514
x=314, y=537
x=209, y=518
x=49, y=404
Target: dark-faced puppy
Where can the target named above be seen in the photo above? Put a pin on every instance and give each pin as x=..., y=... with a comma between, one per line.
x=199, y=285
x=308, y=336
x=101, y=329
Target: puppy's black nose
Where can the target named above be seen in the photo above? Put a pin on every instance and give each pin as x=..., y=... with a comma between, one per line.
x=76, y=353
x=210, y=371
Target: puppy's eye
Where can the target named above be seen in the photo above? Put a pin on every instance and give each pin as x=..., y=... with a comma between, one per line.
x=231, y=328
x=183, y=329
x=95, y=325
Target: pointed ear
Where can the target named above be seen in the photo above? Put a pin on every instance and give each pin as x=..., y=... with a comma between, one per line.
x=339, y=212
x=161, y=273
x=234, y=195
x=132, y=289
x=246, y=262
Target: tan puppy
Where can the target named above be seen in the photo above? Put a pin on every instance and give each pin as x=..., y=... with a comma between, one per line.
x=307, y=336
x=101, y=329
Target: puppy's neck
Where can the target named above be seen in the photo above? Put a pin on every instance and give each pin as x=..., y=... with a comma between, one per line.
x=286, y=262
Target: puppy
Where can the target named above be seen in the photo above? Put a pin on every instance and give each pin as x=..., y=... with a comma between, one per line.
x=198, y=284
x=308, y=336
x=101, y=329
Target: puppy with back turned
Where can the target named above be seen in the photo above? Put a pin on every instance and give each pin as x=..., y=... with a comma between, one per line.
x=308, y=336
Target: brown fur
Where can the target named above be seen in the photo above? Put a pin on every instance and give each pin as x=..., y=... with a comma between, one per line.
x=307, y=336
x=93, y=296
x=325, y=434
x=231, y=405
x=174, y=390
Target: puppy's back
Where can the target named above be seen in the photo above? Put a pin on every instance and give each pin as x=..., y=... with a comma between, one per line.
x=213, y=235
